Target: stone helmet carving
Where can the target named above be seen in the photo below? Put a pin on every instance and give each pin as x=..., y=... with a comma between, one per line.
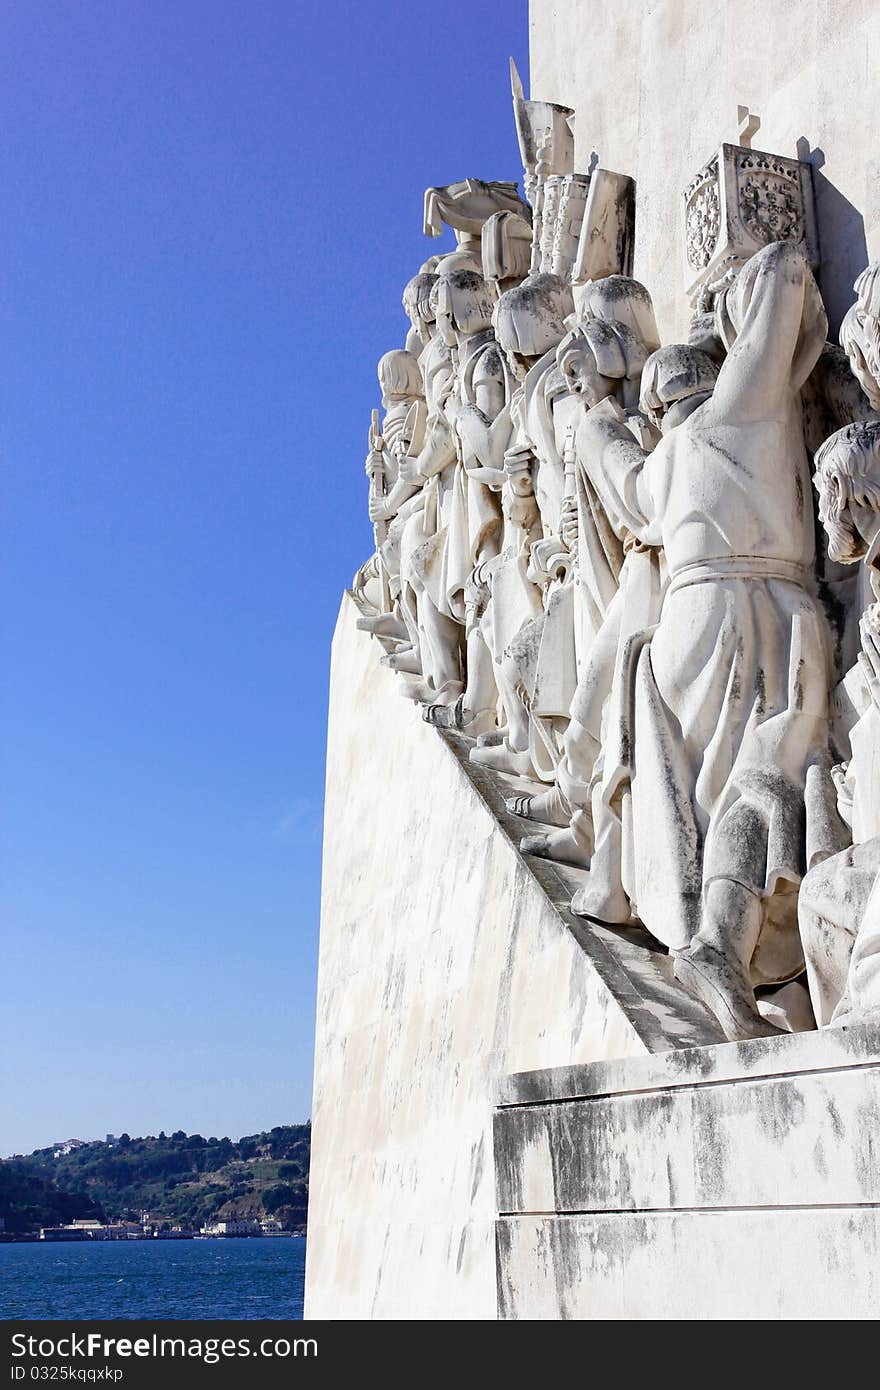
x=860, y=333
x=530, y=319
x=399, y=376
x=672, y=374
x=464, y=305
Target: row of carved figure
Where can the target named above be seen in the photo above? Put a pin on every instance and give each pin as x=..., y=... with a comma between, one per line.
x=603, y=560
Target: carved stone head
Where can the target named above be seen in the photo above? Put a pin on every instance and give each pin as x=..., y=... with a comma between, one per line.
x=464, y=305
x=530, y=320
x=417, y=304
x=399, y=377
x=596, y=359
x=847, y=479
x=671, y=377
x=860, y=333
x=620, y=299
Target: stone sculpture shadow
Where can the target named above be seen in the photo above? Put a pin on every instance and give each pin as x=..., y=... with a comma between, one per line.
x=842, y=227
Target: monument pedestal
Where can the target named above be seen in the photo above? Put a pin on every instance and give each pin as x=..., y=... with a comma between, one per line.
x=737, y=1181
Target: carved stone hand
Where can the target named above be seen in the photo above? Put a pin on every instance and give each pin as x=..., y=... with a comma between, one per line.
x=378, y=509
x=375, y=463
x=869, y=657
x=409, y=470
x=569, y=523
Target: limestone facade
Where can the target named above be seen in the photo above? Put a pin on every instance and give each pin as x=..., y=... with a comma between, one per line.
x=625, y=492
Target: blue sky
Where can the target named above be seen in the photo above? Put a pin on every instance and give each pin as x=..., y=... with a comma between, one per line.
x=210, y=210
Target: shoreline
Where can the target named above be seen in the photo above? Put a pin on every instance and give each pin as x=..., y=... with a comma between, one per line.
x=15, y=1239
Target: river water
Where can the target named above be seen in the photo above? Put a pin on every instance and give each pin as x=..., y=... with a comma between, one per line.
x=154, y=1279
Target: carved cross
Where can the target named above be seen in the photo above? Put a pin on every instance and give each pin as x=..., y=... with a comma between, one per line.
x=749, y=125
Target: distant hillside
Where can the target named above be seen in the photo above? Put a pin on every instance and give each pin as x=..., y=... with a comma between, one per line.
x=181, y=1179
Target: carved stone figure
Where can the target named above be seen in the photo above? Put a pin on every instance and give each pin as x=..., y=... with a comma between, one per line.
x=461, y=520
x=836, y=893
x=391, y=501
x=477, y=408
x=727, y=747
x=529, y=322
x=596, y=556
x=674, y=380
x=603, y=356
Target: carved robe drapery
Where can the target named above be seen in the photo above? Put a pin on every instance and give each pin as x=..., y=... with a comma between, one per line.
x=460, y=513
x=719, y=751
x=839, y=906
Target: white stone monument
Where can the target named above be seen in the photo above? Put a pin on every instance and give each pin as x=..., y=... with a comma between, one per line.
x=599, y=983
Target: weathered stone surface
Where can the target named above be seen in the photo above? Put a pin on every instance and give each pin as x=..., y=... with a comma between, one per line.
x=644, y=1189
x=433, y=985
x=688, y=1266
x=622, y=1186
x=596, y=554
x=656, y=87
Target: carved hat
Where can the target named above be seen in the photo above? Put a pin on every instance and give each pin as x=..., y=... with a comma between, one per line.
x=596, y=348
x=673, y=373
x=465, y=206
x=620, y=299
x=464, y=303
x=530, y=319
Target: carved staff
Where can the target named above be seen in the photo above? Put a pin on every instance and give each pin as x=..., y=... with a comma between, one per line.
x=542, y=169
x=377, y=490
x=569, y=491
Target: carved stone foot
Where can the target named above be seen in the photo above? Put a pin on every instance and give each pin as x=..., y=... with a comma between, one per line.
x=478, y=723
x=441, y=716
x=493, y=738
x=458, y=716
x=845, y=1015
x=425, y=694
x=384, y=625
x=503, y=759
x=573, y=845
x=405, y=661
x=603, y=903
x=718, y=983
x=550, y=807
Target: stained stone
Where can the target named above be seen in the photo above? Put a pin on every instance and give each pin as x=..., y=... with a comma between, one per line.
x=624, y=822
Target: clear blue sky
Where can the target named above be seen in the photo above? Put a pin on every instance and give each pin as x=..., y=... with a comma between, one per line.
x=209, y=211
